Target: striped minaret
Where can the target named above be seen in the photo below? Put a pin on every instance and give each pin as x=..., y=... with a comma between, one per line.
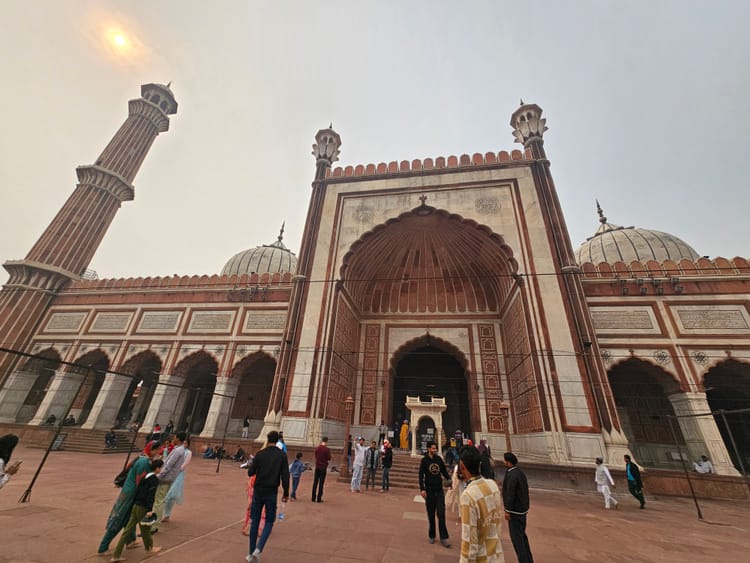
x=66, y=247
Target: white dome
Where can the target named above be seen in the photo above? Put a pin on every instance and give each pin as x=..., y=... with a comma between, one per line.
x=267, y=258
x=612, y=243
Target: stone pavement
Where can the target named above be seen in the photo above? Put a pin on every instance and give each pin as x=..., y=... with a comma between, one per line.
x=71, y=500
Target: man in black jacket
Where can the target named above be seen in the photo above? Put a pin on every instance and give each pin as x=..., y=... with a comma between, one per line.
x=270, y=466
x=635, y=485
x=431, y=471
x=516, y=503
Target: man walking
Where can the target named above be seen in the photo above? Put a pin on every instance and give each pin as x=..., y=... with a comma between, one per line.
x=431, y=471
x=358, y=464
x=246, y=426
x=516, y=505
x=481, y=512
x=635, y=485
x=603, y=480
x=322, y=458
x=170, y=470
x=270, y=467
x=372, y=463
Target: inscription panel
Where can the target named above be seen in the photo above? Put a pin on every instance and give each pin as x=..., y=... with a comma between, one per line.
x=266, y=320
x=211, y=321
x=111, y=322
x=712, y=319
x=65, y=322
x=613, y=320
x=159, y=321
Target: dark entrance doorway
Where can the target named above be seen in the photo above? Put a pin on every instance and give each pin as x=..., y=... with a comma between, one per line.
x=428, y=372
x=728, y=388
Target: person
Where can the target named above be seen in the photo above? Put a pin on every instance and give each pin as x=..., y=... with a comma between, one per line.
x=142, y=513
x=453, y=496
x=70, y=420
x=431, y=469
x=169, y=428
x=296, y=469
x=246, y=426
x=7, y=469
x=120, y=513
x=110, y=439
x=358, y=464
x=603, y=480
x=487, y=468
x=372, y=463
x=134, y=426
x=281, y=444
x=349, y=453
x=387, y=461
x=246, y=523
x=404, y=435
x=51, y=419
x=382, y=431
x=481, y=512
x=516, y=506
x=322, y=458
x=703, y=465
x=459, y=437
x=270, y=466
x=172, y=468
x=176, y=493
x=239, y=455
x=208, y=453
x=635, y=485
x=156, y=433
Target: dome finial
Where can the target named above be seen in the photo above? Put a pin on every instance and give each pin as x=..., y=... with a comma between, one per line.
x=281, y=232
x=600, y=211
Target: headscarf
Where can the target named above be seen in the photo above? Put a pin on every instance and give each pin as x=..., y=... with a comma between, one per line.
x=150, y=447
x=7, y=443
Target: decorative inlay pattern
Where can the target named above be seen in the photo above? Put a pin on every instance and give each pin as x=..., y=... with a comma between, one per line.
x=491, y=374
x=370, y=375
x=343, y=361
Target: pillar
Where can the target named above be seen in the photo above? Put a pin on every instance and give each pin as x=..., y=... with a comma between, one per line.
x=220, y=409
x=14, y=393
x=62, y=391
x=701, y=434
x=164, y=401
x=108, y=402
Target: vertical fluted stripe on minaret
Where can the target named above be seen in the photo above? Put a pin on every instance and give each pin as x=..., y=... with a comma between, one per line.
x=125, y=154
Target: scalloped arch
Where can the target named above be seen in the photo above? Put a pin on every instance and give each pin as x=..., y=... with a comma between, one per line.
x=429, y=260
x=427, y=340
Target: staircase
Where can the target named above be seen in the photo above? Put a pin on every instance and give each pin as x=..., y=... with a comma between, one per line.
x=404, y=472
x=76, y=439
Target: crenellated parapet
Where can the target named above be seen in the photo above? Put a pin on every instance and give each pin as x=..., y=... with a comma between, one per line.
x=429, y=164
x=185, y=282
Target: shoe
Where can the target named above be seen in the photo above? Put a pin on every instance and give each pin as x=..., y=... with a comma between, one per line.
x=133, y=545
x=643, y=506
x=165, y=519
x=150, y=520
x=445, y=542
x=432, y=540
x=255, y=556
x=153, y=550
x=320, y=500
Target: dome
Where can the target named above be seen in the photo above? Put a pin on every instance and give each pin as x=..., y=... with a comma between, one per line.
x=612, y=243
x=267, y=258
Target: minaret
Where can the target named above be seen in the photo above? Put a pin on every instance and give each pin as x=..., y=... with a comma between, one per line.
x=528, y=129
x=326, y=152
x=66, y=247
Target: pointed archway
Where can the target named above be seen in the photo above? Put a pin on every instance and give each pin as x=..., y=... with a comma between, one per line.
x=727, y=387
x=42, y=368
x=642, y=392
x=431, y=367
x=145, y=368
x=255, y=375
x=199, y=372
x=92, y=366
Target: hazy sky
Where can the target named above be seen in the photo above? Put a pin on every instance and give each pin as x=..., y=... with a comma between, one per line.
x=646, y=103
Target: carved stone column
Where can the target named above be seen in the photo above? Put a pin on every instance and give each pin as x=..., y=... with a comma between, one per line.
x=219, y=411
x=165, y=399
x=14, y=393
x=108, y=401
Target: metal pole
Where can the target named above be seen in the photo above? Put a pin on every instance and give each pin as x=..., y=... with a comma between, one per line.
x=731, y=439
x=224, y=437
x=130, y=450
x=684, y=466
x=192, y=412
x=26, y=496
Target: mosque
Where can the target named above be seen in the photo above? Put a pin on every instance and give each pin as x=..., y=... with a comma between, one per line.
x=443, y=278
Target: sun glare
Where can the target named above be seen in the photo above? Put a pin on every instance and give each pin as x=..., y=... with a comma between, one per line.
x=119, y=39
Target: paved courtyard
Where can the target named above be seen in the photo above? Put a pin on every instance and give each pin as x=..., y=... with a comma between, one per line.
x=71, y=500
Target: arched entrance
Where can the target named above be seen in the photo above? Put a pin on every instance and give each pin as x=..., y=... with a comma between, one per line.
x=145, y=368
x=93, y=367
x=255, y=374
x=429, y=367
x=641, y=391
x=199, y=370
x=728, y=388
x=42, y=368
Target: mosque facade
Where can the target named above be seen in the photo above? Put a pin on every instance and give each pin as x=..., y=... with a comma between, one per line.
x=451, y=278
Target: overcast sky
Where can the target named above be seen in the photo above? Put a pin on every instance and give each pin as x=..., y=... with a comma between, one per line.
x=646, y=104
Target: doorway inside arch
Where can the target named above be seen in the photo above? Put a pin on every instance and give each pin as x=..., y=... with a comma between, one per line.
x=199, y=370
x=728, y=388
x=429, y=372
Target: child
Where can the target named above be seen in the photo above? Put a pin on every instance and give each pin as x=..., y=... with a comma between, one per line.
x=295, y=471
x=142, y=513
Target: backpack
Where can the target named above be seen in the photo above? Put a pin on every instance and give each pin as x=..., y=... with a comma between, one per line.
x=119, y=480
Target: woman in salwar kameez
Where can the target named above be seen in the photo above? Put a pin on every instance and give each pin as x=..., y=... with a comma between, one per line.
x=120, y=513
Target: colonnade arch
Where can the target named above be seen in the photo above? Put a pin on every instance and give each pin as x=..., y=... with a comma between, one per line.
x=198, y=371
x=93, y=367
x=39, y=372
x=145, y=368
x=255, y=376
x=727, y=386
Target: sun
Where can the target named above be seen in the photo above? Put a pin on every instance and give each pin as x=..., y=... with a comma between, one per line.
x=119, y=40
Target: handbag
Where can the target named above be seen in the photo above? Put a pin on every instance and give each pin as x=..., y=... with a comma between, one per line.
x=119, y=480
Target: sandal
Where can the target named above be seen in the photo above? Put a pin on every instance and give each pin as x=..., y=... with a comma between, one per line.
x=133, y=545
